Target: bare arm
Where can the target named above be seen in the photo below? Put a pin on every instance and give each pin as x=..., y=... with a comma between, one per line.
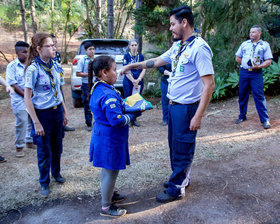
x=209, y=84
x=18, y=90
x=238, y=59
x=65, y=121
x=30, y=108
x=150, y=63
x=8, y=87
x=81, y=74
x=265, y=64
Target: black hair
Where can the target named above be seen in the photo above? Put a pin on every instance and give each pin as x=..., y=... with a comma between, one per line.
x=183, y=12
x=88, y=44
x=21, y=44
x=52, y=35
x=96, y=66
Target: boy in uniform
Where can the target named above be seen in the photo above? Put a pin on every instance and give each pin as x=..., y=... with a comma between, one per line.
x=82, y=71
x=15, y=78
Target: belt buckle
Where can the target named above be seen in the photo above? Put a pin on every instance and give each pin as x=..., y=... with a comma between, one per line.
x=250, y=69
x=55, y=107
x=170, y=102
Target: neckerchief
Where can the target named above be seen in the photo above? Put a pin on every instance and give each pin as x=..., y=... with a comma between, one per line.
x=135, y=58
x=97, y=81
x=181, y=49
x=48, y=69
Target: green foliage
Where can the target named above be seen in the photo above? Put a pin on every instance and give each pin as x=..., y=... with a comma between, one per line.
x=220, y=87
x=233, y=80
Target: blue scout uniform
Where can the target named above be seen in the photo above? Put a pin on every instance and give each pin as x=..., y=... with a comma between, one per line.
x=190, y=62
x=45, y=82
x=127, y=84
x=83, y=67
x=109, y=140
x=15, y=75
x=163, y=88
x=252, y=79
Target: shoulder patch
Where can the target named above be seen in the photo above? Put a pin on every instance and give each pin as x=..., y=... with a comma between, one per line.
x=119, y=116
x=110, y=100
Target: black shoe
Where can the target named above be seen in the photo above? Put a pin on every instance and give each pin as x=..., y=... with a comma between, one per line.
x=118, y=197
x=135, y=123
x=165, y=197
x=239, y=120
x=45, y=191
x=2, y=159
x=67, y=128
x=164, y=123
x=166, y=184
x=60, y=179
x=266, y=125
x=89, y=128
x=113, y=211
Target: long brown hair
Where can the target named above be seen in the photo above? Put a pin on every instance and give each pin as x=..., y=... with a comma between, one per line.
x=37, y=40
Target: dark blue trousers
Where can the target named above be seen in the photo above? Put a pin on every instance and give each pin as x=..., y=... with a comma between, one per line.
x=128, y=87
x=252, y=81
x=87, y=111
x=182, y=146
x=49, y=146
x=164, y=99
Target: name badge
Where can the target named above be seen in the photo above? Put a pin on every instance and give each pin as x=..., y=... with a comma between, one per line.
x=182, y=68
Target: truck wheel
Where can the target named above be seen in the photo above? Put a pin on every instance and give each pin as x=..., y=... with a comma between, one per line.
x=77, y=103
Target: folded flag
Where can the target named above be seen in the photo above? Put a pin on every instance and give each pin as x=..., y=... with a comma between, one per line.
x=136, y=103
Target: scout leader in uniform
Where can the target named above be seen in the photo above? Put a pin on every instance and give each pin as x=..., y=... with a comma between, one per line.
x=190, y=88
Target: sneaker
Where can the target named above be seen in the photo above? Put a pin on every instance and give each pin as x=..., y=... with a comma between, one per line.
x=30, y=145
x=67, y=128
x=118, y=197
x=2, y=159
x=113, y=211
x=239, y=120
x=166, y=184
x=136, y=124
x=89, y=128
x=19, y=152
x=164, y=123
x=45, y=191
x=165, y=197
x=60, y=179
x=266, y=125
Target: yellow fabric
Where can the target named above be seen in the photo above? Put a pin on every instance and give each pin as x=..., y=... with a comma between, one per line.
x=131, y=100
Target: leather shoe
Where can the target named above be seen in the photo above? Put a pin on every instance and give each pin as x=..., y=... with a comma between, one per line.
x=238, y=121
x=60, y=179
x=67, y=128
x=165, y=197
x=45, y=191
x=266, y=125
x=166, y=184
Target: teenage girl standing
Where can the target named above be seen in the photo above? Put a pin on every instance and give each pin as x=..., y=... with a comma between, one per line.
x=109, y=141
x=44, y=102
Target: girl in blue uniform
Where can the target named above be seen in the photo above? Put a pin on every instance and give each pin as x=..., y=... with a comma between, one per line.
x=44, y=102
x=109, y=140
x=135, y=79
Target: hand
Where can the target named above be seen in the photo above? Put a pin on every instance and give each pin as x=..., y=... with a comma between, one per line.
x=195, y=124
x=256, y=67
x=39, y=130
x=10, y=89
x=125, y=69
x=65, y=120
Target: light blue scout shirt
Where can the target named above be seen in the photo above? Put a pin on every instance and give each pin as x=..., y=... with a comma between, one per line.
x=15, y=75
x=246, y=51
x=83, y=67
x=186, y=86
x=38, y=80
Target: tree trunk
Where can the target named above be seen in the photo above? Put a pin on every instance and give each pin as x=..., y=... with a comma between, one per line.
x=65, y=32
x=98, y=18
x=52, y=15
x=23, y=19
x=110, y=12
x=138, y=37
x=90, y=26
x=33, y=16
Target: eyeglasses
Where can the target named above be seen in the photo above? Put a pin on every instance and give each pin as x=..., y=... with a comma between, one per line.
x=49, y=46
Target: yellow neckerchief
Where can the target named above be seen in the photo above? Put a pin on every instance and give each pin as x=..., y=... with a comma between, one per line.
x=137, y=57
x=102, y=81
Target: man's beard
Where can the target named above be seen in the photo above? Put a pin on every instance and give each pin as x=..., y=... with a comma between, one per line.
x=179, y=37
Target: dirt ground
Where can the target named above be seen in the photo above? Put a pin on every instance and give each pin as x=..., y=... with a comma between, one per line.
x=235, y=174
